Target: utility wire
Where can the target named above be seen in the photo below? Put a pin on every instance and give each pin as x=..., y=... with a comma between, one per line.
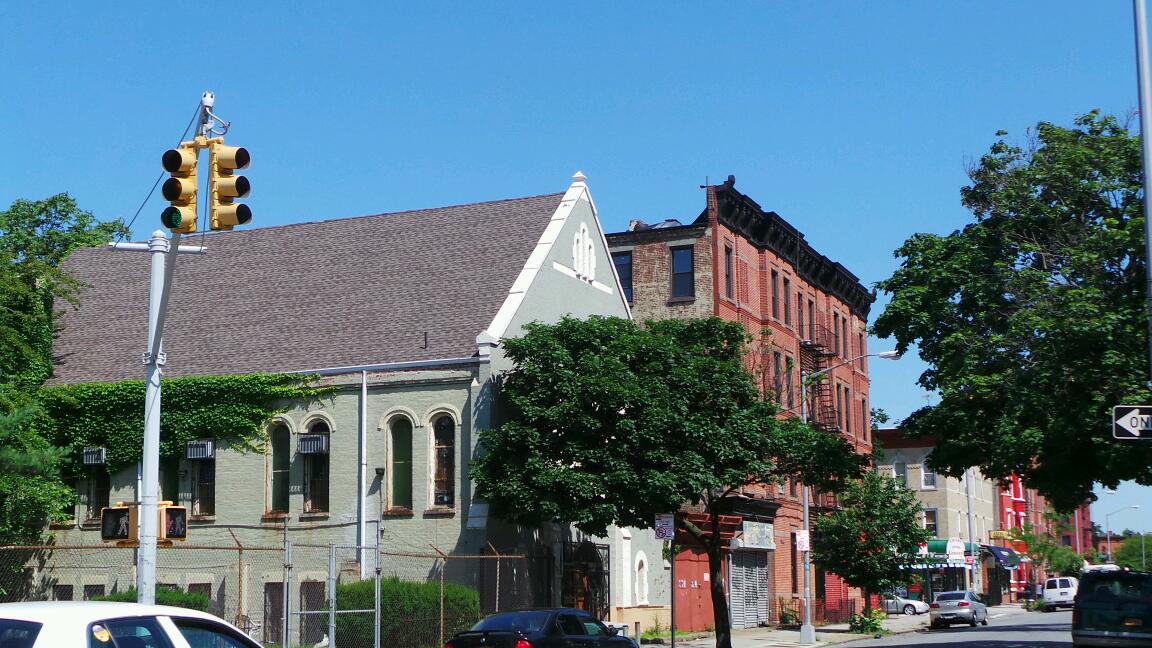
x=160, y=177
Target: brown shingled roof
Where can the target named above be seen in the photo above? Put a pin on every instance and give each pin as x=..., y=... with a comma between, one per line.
x=322, y=294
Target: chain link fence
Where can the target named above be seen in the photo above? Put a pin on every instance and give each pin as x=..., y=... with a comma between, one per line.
x=231, y=578
x=314, y=595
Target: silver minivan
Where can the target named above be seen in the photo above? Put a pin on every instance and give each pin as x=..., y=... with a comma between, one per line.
x=1059, y=591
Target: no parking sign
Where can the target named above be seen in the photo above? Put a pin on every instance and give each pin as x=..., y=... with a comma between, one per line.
x=665, y=526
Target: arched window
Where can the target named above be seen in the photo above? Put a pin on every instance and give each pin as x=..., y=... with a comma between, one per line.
x=401, y=493
x=444, y=475
x=280, y=444
x=641, y=579
x=314, y=448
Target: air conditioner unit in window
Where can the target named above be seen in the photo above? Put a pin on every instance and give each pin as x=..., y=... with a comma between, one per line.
x=313, y=444
x=94, y=456
x=202, y=449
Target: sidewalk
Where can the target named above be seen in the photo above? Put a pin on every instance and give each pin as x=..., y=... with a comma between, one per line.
x=835, y=633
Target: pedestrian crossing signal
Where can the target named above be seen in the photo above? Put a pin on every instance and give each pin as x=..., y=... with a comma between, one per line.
x=173, y=523
x=118, y=524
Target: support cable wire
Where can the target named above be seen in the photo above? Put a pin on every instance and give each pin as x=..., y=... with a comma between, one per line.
x=158, y=178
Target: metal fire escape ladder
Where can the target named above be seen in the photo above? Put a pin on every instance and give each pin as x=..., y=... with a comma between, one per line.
x=817, y=353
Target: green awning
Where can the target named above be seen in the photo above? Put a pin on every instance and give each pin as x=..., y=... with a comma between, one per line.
x=939, y=547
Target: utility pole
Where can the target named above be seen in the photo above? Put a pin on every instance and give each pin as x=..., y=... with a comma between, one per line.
x=971, y=533
x=180, y=190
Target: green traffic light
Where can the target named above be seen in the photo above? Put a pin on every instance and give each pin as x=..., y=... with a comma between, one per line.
x=171, y=217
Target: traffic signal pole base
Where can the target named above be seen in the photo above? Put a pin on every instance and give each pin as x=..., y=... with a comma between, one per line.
x=807, y=634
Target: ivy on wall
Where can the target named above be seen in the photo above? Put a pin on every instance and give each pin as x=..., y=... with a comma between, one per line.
x=228, y=408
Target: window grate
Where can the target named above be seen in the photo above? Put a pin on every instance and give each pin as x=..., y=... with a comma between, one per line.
x=94, y=456
x=313, y=444
x=201, y=449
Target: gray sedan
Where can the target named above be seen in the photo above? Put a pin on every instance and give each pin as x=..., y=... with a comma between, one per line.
x=957, y=607
x=895, y=604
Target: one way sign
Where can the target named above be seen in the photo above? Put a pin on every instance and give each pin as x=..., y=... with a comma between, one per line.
x=1132, y=421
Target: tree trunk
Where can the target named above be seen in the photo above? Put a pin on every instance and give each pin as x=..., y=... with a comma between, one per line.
x=867, y=600
x=719, y=596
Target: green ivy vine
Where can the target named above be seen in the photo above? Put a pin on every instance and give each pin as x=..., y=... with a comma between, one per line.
x=228, y=408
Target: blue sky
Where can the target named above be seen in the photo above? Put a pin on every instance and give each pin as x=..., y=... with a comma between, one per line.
x=854, y=121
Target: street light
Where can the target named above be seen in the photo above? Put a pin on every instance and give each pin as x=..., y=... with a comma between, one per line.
x=807, y=630
x=1108, y=526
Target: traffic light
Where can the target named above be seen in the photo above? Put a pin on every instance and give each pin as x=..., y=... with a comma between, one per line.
x=173, y=523
x=180, y=189
x=118, y=524
x=224, y=214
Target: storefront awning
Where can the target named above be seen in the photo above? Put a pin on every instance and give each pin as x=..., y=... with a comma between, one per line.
x=939, y=547
x=1005, y=556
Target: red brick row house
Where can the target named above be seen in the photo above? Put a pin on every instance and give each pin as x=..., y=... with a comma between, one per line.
x=806, y=313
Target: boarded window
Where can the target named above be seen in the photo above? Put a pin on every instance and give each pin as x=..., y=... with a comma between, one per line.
x=401, y=495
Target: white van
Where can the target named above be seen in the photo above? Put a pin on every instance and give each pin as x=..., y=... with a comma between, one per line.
x=1059, y=591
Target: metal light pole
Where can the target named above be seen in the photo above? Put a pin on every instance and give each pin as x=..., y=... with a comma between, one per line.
x=807, y=630
x=1144, y=85
x=1108, y=526
x=973, y=574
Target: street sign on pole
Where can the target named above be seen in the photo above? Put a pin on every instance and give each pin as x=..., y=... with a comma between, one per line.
x=665, y=526
x=1132, y=422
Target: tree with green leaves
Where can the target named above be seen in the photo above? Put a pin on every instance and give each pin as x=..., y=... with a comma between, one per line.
x=872, y=537
x=1134, y=552
x=1032, y=317
x=35, y=238
x=609, y=423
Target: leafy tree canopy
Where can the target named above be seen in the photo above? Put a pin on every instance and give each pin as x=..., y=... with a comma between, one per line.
x=874, y=533
x=610, y=423
x=1032, y=318
x=35, y=238
x=1133, y=553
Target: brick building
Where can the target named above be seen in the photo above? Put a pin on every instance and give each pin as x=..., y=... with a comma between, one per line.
x=807, y=314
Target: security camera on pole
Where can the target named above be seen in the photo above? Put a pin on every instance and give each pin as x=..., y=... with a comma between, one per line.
x=180, y=217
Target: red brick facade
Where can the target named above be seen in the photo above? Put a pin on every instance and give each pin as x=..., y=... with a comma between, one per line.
x=805, y=313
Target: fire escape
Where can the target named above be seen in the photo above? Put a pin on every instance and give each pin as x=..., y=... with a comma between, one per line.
x=818, y=353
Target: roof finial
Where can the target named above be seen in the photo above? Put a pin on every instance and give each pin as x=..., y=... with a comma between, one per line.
x=578, y=177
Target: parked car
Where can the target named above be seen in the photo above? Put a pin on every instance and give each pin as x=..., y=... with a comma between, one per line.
x=1059, y=592
x=896, y=604
x=957, y=607
x=1113, y=608
x=68, y=624
x=540, y=628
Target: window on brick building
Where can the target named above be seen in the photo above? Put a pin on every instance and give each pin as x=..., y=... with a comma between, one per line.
x=848, y=411
x=811, y=319
x=836, y=333
x=729, y=290
x=99, y=493
x=778, y=376
x=281, y=446
x=444, y=479
x=864, y=427
x=788, y=385
x=840, y=407
x=860, y=349
x=847, y=339
x=927, y=477
x=622, y=261
x=787, y=303
x=800, y=314
x=900, y=473
x=203, y=486
x=400, y=495
x=775, y=295
x=683, y=272
x=315, y=450
x=930, y=521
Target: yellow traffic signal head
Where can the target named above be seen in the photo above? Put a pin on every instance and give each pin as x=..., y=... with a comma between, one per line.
x=173, y=523
x=180, y=189
x=224, y=214
x=118, y=524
